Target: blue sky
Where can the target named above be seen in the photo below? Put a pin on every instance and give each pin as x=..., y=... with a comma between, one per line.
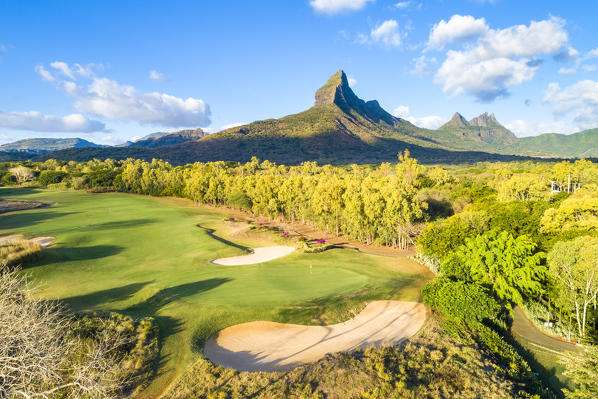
x=84, y=69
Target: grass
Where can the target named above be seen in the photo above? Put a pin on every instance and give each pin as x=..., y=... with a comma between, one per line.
x=544, y=351
x=145, y=256
x=16, y=252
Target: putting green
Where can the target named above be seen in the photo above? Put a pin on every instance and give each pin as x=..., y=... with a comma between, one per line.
x=149, y=256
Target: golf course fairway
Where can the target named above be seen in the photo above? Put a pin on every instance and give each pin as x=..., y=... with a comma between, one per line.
x=147, y=256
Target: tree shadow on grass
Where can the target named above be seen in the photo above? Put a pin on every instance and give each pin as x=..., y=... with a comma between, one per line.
x=121, y=224
x=211, y=233
x=111, y=295
x=30, y=217
x=337, y=308
x=53, y=255
x=168, y=295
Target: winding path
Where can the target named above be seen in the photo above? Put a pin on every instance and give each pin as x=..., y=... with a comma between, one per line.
x=269, y=346
x=259, y=255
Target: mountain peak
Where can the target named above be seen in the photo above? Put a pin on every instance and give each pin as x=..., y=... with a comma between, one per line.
x=459, y=120
x=335, y=91
x=484, y=120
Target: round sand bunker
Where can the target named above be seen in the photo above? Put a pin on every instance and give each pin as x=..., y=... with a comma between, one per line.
x=259, y=255
x=268, y=346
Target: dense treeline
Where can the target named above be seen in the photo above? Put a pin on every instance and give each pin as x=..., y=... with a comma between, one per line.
x=387, y=204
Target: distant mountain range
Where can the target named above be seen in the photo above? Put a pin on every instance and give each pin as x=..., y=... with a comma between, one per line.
x=44, y=145
x=342, y=128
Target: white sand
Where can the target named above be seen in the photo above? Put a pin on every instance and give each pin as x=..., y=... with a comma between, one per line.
x=259, y=255
x=43, y=241
x=268, y=346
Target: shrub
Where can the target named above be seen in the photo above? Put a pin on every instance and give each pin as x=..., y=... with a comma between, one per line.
x=460, y=300
x=48, y=177
x=19, y=251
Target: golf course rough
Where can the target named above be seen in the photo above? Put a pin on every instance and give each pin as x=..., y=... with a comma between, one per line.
x=258, y=255
x=269, y=346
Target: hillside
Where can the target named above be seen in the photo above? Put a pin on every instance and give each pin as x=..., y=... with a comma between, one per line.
x=160, y=139
x=577, y=145
x=340, y=128
x=42, y=145
x=482, y=133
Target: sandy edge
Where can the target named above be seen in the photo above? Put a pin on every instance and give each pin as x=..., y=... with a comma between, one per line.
x=268, y=346
x=43, y=241
x=258, y=255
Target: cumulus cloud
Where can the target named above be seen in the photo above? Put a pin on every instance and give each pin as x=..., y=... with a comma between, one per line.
x=422, y=64
x=458, y=27
x=385, y=33
x=352, y=81
x=427, y=122
x=498, y=59
x=337, y=6
x=38, y=122
x=579, y=100
x=155, y=75
x=107, y=98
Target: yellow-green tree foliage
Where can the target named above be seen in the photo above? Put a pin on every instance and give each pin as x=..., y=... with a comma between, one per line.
x=578, y=212
x=523, y=187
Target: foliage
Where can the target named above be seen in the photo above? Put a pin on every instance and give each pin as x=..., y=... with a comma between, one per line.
x=523, y=187
x=574, y=264
x=460, y=300
x=497, y=260
x=17, y=252
x=582, y=368
x=578, y=212
x=48, y=177
x=440, y=238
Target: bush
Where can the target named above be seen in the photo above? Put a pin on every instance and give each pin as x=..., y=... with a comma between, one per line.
x=460, y=300
x=19, y=251
x=48, y=177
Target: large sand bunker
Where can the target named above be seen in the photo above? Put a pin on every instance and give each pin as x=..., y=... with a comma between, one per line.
x=268, y=346
x=259, y=255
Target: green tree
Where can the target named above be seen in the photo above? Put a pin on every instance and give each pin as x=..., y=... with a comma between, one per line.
x=582, y=369
x=578, y=212
x=508, y=266
x=574, y=264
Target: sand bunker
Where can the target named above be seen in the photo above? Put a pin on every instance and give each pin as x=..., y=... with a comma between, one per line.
x=43, y=241
x=259, y=255
x=268, y=346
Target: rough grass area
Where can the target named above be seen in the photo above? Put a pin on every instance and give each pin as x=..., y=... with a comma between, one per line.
x=433, y=364
x=144, y=256
x=16, y=252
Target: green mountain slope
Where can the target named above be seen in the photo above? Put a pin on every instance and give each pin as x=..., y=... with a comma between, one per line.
x=41, y=145
x=160, y=139
x=339, y=128
x=578, y=145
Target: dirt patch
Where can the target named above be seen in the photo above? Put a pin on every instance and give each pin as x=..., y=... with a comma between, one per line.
x=259, y=255
x=43, y=241
x=269, y=346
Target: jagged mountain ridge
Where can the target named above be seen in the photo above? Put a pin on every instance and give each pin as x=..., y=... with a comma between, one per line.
x=160, y=139
x=339, y=128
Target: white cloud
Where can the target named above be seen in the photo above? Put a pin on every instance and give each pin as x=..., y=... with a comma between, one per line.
x=337, y=6
x=500, y=59
x=352, y=81
x=422, y=64
x=45, y=75
x=386, y=33
x=458, y=27
x=522, y=128
x=155, y=75
x=567, y=71
x=108, y=98
x=592, y=53
x=579, y=100
x=427, y=122
x=589, y=67
x=38, y=122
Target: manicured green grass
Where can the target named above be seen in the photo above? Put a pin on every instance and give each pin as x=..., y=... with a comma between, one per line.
x=147, y=256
